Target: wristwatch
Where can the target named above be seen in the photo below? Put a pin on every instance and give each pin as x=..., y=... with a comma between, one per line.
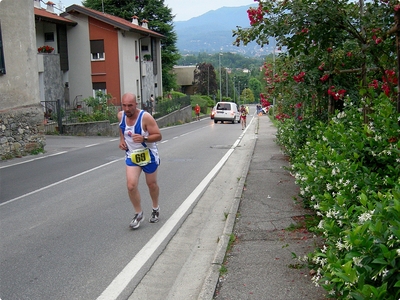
x=146, y=138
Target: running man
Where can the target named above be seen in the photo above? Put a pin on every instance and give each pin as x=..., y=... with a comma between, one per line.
x=243, y=113
x=139, y=133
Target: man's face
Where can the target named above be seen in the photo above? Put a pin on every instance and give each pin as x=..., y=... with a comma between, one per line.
x=129, y=106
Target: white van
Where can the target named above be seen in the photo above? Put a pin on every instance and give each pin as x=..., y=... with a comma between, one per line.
x=226, y=111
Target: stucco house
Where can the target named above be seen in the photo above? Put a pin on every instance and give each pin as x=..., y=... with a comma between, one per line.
x=113, y=55
x=53, y=60
x=21, y=115
x=89, y=51
x=185, y=78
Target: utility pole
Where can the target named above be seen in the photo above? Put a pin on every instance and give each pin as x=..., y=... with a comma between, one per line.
x=208, y=81
x=227, y=92
x=220, y=78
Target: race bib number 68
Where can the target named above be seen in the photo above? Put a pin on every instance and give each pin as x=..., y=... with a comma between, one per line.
x=141, y=157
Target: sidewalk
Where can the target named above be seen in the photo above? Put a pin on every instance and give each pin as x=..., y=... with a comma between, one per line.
x=260, y=264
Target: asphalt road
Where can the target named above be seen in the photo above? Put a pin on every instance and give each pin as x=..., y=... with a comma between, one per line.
x=64, y=214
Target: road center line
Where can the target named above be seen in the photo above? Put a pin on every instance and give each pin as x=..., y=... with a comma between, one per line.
x=59, y=182
x=33, y=159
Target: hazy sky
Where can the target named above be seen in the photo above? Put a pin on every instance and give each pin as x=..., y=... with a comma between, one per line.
x=185, y=9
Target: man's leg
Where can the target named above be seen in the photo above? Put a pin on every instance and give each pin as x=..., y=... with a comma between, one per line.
x=132, y=181
x=154, y=190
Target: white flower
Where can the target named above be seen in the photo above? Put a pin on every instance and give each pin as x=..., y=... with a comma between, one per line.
x=357, y=261
x=321, y=226
x=365, y=216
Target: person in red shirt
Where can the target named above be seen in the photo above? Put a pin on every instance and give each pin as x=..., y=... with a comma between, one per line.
x=197, y=112
x=243, y=113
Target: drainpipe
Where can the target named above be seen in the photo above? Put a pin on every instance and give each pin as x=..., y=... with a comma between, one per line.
x=140, y=70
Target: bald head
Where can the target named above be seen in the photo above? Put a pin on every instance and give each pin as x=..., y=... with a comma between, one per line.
x=129, y=97
x=129, y=104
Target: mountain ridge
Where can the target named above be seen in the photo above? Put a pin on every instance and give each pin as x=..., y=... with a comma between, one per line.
x=199, y=34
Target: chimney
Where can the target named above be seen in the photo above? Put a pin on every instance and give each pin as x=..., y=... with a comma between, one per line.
x=144, y=24
x=135, y=20
x=36, y=3
x=50, y=6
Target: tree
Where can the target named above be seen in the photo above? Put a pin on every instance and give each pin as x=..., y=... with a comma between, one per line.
x=160, y=20
x=247, y=96
x=326, y=43
x=206, y=81
x=255, y=86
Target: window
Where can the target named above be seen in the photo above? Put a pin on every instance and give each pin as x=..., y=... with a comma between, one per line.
x=97, y=50
x=49, y=36
x=2, y=63
x=145, y=47
x=99, y=87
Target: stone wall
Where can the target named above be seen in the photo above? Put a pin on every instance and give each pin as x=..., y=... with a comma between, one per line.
x=104, y=128
x=181, y=116
x=21, y=131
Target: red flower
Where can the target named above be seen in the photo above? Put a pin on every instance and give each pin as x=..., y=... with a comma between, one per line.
x=298, y=105
x=329, y=50
x=374, y=84
x=397, y=7
x=321, y=66
x=324, y=78
x=349, y=54
x=336, y=94
x=386, y=89
x=299, y=77
x=256, y=14
x=304, y=30
x=45, y=49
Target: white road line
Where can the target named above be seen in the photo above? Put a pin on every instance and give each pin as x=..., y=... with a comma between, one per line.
x=33, y=159
x=122, y=280
x=91, y=145
x=59, y=182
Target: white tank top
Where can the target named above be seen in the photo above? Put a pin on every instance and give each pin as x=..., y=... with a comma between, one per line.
x=137, y=128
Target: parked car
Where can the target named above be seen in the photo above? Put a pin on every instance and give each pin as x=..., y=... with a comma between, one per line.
x=226, y=111
x=213, y=110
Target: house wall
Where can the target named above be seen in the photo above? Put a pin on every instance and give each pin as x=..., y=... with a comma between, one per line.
x=106, y=70
x=159, y=90
x=128, y=45
x=41, y=29
x=52, y=78
x=21, y=115
x=79, y=74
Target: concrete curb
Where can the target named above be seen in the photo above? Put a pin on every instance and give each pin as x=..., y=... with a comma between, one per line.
x=212, y=278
